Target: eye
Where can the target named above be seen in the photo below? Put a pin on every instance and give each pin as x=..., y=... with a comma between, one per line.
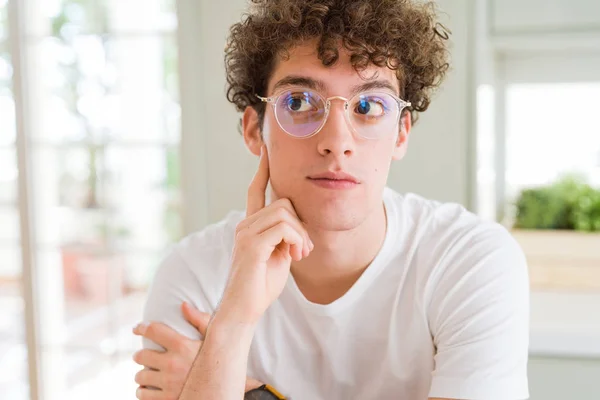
x=370, y=107
x=299, y=102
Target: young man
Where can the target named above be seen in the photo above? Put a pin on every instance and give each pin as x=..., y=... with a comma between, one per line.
x=336, y=287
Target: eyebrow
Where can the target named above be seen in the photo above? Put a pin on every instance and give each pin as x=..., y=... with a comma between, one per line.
x=319, y=85
x=297, y=80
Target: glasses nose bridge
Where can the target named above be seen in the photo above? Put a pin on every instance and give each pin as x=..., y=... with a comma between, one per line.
x=329, y=99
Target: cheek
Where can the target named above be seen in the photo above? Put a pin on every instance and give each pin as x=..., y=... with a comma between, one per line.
x=383, y=151
x=285, y=156
x=381, y=156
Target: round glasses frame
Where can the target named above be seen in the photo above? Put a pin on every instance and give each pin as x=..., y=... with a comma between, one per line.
x=402, y=104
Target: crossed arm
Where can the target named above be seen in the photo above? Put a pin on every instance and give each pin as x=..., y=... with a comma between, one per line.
x=175, y=372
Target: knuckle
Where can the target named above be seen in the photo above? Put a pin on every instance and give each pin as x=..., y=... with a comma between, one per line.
x=175, y=370
x=237, y=235
x=240, y=227
x=241, y=232
x=285, y=202
x=281, y=213
x=172, y=365
x=180, y=347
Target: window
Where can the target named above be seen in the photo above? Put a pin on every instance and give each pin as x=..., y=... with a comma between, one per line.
x=537, y=125
x=104, y=140
x=551, y=130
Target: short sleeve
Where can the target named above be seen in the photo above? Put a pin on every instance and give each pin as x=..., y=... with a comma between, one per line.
x=173, y=284
x=479, y=319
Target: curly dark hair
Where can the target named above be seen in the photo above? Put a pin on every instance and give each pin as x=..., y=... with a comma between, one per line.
x=403, y=35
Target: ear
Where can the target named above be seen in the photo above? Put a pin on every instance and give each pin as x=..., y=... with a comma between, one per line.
x=251, y=131
x=401, y=144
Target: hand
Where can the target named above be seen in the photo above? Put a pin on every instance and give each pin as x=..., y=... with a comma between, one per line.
x=166, y=371
x=266, y=242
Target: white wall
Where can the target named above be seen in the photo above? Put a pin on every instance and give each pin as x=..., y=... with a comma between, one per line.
x=438, y=156
x=563, y=378
x=544, y=15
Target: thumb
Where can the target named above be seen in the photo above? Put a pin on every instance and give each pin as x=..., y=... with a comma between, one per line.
x=195, y=317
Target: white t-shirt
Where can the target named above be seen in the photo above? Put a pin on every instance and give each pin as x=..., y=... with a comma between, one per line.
x=442, y=311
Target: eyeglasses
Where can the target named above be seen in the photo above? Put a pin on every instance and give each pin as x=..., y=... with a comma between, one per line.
x=302, y=112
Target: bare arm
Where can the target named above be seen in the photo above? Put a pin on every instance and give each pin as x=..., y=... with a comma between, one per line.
x=219, y=371
x=167, y=370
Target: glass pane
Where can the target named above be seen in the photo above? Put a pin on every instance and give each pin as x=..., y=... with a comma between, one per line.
x=95, y=90
x=7, y=105
x=75, y=17
x=145, y=89
x=13, y=351
x=97, y=342
x=107, y=196
x=142, y=184
x=3, y=20
x=69, y=195
x=64, y=17
x=549, y=134
x=8, y=177
x=79, y=286
x=89, y=374
x=9, y=226
x=91, y=292
x=141, y=15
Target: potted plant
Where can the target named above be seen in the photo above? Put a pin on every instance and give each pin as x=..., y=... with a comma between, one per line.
x=558, y=227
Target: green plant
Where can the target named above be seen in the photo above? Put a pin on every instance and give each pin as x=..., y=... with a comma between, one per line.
x=586, y=213
x=569, y=203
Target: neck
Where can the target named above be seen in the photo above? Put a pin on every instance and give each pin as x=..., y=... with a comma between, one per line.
x=339, y=258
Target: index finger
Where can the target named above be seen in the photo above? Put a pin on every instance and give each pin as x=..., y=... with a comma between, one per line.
x=258, y=186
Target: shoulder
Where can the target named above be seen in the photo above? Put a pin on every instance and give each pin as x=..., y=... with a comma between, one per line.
x=444, y=228
x=445, y=242
x=209, y=244
x=420, y=213
x=195, y=271
x=200, y=261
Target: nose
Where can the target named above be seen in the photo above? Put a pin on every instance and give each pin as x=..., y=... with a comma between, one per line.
x=336, y=138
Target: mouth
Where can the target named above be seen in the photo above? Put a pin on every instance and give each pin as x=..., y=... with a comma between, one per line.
x=334, y=180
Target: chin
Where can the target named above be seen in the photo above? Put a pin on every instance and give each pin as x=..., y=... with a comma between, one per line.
x=327, y=210
x=334, y=219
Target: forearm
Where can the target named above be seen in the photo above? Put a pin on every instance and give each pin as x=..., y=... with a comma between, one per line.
x=219, y=371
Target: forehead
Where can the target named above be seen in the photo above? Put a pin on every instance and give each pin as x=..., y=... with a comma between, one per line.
x=336, y=80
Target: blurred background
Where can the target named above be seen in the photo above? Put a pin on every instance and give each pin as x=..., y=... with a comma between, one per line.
x=116, y=140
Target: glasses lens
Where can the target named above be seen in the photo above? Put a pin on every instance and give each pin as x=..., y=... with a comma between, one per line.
x=374, y=115
x=300, y=112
